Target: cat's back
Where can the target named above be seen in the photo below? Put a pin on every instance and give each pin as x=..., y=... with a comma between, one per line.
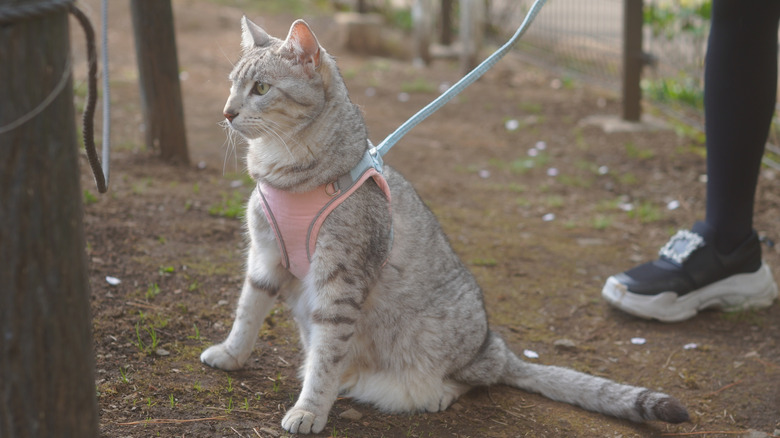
x=422, y=267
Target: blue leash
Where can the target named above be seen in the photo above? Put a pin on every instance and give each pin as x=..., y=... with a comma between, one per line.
x=373, y=156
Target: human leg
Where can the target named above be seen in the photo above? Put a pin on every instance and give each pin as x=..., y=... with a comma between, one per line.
x=718, y=263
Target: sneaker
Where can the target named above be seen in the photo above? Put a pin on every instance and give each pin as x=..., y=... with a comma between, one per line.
x=691, y=275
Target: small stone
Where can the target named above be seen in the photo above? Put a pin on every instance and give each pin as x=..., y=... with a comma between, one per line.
x=162, y=352
x=267, y=431
x=351, y=414
x=565, y=344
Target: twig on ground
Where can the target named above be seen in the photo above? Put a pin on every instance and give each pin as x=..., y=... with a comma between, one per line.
x=172, y=420
x=766, y=362
x=724, y=388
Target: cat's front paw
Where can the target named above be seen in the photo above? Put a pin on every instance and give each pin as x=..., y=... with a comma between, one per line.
x=218, y=356
x=300, y=420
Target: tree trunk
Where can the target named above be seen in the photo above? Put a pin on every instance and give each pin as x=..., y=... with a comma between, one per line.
x=158, y=68
x=47, y=377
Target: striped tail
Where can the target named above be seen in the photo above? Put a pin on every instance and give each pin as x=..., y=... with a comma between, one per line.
x=593, y=393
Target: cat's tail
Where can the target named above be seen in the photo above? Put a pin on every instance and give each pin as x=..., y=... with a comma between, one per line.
x=592, y=393
x=496, y=363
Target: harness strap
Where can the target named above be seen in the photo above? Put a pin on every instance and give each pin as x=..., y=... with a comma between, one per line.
x=296, y=218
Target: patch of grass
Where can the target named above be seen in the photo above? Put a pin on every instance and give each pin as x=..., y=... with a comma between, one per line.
x=749, y=316
x=486, y=262
x=419, y=85
x=140, y=187
x=602, y=222
x=89, y=198
x=229, y=385
x=635, y=152
x=628, y=179
x=123, y=375
x=194, y=286
x=516, y=188
x=554, y=201
x=646, y=212
x=152, y=291
x=530, y=107
x=147, y=348
x=232, y=206
x=197, y=333
x=521, y=165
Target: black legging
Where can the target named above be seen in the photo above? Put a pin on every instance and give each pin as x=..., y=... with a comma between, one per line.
x=740, y=88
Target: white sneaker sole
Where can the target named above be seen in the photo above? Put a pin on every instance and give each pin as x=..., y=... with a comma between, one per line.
x=739, y=292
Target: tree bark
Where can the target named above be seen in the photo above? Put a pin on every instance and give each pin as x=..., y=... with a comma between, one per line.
x=158, y=68
x=47, y=377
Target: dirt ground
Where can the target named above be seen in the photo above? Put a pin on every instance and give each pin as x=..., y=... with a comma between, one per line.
x=541, y=225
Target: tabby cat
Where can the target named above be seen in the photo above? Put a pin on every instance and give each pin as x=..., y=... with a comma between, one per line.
x=387, y=313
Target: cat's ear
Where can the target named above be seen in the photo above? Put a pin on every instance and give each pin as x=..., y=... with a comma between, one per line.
x=252, y=35
x=303, y=45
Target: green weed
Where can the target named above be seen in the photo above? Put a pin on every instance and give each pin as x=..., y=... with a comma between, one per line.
x=89, y=198
x=636, y=153
x=232, y=206
x=646, y=212
x=602, y=222
x=123, y=373
x=488, y=262
x=419, y=85
x=152, y=291
x=197, y=333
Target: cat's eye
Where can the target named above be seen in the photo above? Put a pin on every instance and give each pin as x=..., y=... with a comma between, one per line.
x=260, y=88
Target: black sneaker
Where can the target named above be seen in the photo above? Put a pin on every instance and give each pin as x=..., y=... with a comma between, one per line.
x=690, y=275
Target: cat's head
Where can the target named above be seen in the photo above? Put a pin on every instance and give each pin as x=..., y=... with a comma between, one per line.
x=276, y=83
x=289, y=101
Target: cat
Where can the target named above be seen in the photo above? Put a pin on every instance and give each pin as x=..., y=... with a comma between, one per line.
x=387, y=313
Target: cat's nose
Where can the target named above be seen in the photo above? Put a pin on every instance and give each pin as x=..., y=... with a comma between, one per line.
x=230, y=116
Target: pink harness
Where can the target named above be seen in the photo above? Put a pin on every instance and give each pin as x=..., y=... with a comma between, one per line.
x=296, y=218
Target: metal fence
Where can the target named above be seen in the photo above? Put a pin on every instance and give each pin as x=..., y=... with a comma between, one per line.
x=585, y=37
